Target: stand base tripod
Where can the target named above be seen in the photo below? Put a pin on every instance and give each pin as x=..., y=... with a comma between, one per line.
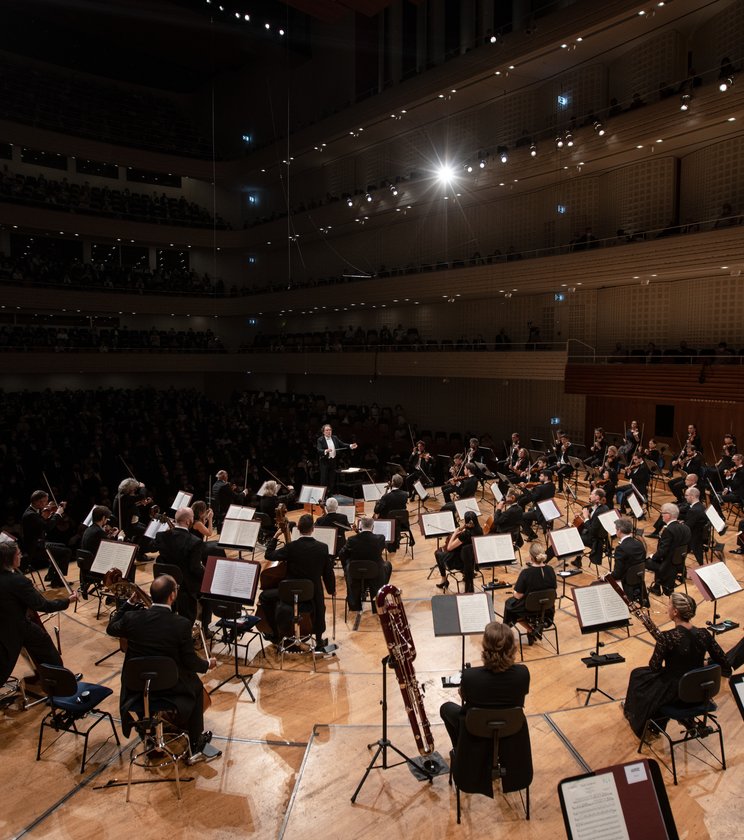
x=596, y=660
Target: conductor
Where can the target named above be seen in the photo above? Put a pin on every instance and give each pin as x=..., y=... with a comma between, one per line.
x=328, y=446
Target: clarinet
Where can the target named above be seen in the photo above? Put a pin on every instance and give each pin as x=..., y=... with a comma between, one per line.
x=635, y=609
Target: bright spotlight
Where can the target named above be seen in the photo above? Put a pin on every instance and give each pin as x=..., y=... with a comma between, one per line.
x=445, y=173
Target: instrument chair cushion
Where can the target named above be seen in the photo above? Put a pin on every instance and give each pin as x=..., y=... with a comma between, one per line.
x=78, y=705
x=680, y=711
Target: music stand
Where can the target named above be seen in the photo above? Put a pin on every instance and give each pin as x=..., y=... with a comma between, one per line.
x=490, y=551
x=234, y=583
x=435, y=526
x=718, y=525
x=113, y=554
x=715, y=581
x=566, y=542
x=635, y=506
x=240, y=534
x=312, y=495
x=577, y=465
x=461, y=615
x=462, y=506
x=373, y=492
x=598, y=608
x=497, y=494
x=421, y=496
x=183, y=499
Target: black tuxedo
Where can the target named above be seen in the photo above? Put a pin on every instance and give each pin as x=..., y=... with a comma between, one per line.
x=181, y=548
x=17, y=595
x=369, y=547
x=538, y=494
x=465, y=489
x=91, y=539
x=507, y=521
x=34, y=528
x=628, y=553
x=307, y=559
x=333, y=520
x=696, y=521
x=674, y=535
x=222, y=497
x=593, y=534
x=158, y=631
x=392, y=500
x=473, y=756
x=328, y=464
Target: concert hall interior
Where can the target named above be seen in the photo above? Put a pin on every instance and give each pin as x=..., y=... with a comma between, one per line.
x=225, y=224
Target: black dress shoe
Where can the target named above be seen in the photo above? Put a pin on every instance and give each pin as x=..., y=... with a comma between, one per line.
x=737, y=551
x=655, y=589
x=576, y=562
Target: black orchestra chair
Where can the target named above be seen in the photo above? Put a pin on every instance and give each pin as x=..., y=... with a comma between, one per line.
x=679, y=555
x=403, y=527
x=70, y=701
x=470, y=567
x=186, y=604
x=153, y=717
x=297, y=594
x=91, y=583
x=634, y=581
x=496, y=726
x=233, y=623
x=535, y=621
x=366, y=573
x=694, y=711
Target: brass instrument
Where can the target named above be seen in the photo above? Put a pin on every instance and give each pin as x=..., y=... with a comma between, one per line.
x=635, y=609
x=402, y=652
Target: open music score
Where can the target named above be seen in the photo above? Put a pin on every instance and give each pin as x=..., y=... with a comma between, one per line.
x=5, y=537
x=327, y=535
x=566, y=541
x=493, y=550
x=438, y=524
x=89, y=518
x=311, y=494
x=715, y=519
x=113, y=554
x=599, y=607
x=635, y=505
x=240, y=512
x=622, y=802
x=262, y=489
x=464, y=505
x=714, y=581
x=231, y=578
x=549, y=509
x=154, y=527
x=239, y=533
x=386, y=527
x=373, y=492
x=421, y=491
x=183, y=499
x=349, y=511
x=608, y=519
x=496, y=490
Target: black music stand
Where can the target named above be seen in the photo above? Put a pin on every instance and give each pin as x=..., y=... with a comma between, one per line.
x=446, y=617
x=423, y=768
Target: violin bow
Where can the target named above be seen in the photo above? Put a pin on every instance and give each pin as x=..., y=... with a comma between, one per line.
x=276, y=479
x=49, y=487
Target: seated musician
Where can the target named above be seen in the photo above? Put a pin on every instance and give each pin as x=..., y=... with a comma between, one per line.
x=419, y=468
x=464, y=489
x=632, y=440
x=306, y=559
x=629, y=552
x=677, y=651
x=269, y=502
x=158, y=631
x=638, y=474
x=39, y=519
x=508, y=516
x=544, y=490
x=499, y=683
x=90, y=542
x=128, y=504
x=17, y=597
x=395, y=499
x=597, y=450
x=339, y=521
x=697, y=522
x=691, y=481
x=734, y=491
x=592, y=532
x=368, y=546
x=535, y=576
x=225, y=494
x=458, y=552
x=673, y=535
x=511, y=454
x=564, y=469
x=654, y=454
x=691, y=463
x=520, y=466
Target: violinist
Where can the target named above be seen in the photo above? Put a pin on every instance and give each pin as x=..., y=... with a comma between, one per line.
x=225, y=494
x=715, y=474
x=691, y=480
x=638, y=473
x=734, y=490
x=692, y=462
x=544, y=490
x=564, y=470
x=419, y=468
x=530, y=477
x=597, y=450
x=473, y=456
x=39, y=518
x=592, y=532
x=395, y=499
x=508, y=515
x=693, y=439
x=455, y=470
x=128, y=504
x=632, y=440
x=91, y=540
x=521, y=466
x=464, y=489
x=17, y=597
x=511, y=455
x=458, y=552
x=332, y=518
x=652, y=453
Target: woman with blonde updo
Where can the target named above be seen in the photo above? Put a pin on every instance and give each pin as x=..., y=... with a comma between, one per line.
x=534, y=577
x=677, y=651
x=498, y=684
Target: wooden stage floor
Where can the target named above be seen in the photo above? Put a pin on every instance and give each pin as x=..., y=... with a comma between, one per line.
x=292, y=760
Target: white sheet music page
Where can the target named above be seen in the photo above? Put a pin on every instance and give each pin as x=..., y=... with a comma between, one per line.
x=608, y=521
x=240, y=512
x=464, y=505
x=549, y=509
x=599, y=604
x=438, y=524
x=311, y=494
x=718, y=578
x=715, y=519
x=6, y=537
x=473, y=613
x=238, y=532
x=262, y=489
x=373, y=492
x=635, y=505
x=493, y=548
x=323, y=534
x=89, y=518
x=349, y=511
x=183, y=499
x=113, y=555
x=496, y=490
x=593, y=809
x=154, y=527
x=567, y=541
x=386, y=527
x=234, y=579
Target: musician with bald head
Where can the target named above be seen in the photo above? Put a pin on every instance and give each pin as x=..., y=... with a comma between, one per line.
x=179, y=547
x=158, y=631
x=673, y=535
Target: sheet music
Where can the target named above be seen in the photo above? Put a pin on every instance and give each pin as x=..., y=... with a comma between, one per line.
x=238, y=533
x=89, y=518
x=599, y=604
x=155, y=527
x=635, y=505
x=322, y=534
x=352, y=470
x=311, y=494
x=386, y=527
x=234, y=579
x=496, y=490
x=715, y=519
x=549, y=509
x=493, y=548
x=113, y=555
x=240, y=512
x=349, y=511
x=183, y=499
x=463, y=505
x=472, y=611
x=420, y=489
x=438, y=524
x=719, y=580
x=262, y=489
x=373, y=492
x=566, y=541
x=593, y=808
x=608, y=521
x=6, y=537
